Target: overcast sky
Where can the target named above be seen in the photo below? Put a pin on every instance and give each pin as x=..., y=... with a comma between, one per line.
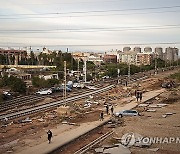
x=101, y=24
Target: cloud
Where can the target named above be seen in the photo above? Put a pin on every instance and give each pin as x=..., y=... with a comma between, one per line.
x=67, y=21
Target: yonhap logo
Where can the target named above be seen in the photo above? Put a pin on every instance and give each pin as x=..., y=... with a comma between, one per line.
x=135, y=139
x=130, y=139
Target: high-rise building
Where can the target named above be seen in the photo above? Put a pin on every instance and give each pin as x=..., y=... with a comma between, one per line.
x=168, y=56
x=126, y=49
x=137, y=49
x=147, y=49
x=159, y=52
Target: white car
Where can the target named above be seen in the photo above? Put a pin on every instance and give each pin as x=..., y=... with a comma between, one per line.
x=78, y=85
x=126, y=113
x=44, y=92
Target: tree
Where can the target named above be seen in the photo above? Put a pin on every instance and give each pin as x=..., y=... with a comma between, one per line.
x=18, y=86
x=42, y=83
x=52, y=82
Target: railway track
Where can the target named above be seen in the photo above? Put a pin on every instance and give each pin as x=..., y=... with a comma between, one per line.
x=24, y=100
x=31, y=99
x=52, y=105
x=93, y=143
x=37, y=108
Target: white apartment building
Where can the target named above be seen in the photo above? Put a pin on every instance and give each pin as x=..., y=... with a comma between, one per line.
x=128, y=57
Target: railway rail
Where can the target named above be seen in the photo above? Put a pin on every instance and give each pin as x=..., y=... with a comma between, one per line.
x=24, y=100
x=31, y=99
x=34, y=109
x=51, y=105
x=93, y=143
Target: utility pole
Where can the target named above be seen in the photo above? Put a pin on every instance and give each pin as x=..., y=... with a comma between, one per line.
x=72, y=61
x=155, y=66
x=129, y=70
x=85, y=71
x=64, y=89
x=78, y=69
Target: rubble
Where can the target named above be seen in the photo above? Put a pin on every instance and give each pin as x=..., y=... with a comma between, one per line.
x=151, y=110
x=143, y=105
x=117, y=150
x=70, y=123
x=169, y=113
x=153, y=149
x=41, y=119
x=164, y=116
x=99, y=150
x=161, y=104
x=63, y=110
x=26, y=120
x=154, y=106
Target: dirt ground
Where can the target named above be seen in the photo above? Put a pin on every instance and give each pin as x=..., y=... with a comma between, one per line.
x=16, y=136
x=152, y=124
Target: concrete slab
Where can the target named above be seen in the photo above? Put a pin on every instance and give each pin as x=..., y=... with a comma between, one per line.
x=154, y=106
x=161, y=104
x=164, y=115
x=99, y=150
x=153, y=149
x=118, y=150
x=151, y=110
x=143, y=105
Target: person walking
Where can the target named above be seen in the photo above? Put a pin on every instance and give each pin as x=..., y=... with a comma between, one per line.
x=112, y=110
x=107, y=109
x=49, y=136
x=101, y=116
x=137, y=95
x=140, y=95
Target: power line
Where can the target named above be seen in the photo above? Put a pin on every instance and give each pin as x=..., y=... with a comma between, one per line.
x=89, y=15
x=103, y=1
x=96, y=11
x=113, y=44
x=93, y=29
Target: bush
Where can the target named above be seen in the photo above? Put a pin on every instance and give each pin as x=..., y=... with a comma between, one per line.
x=176, y=76
x=52, y=82
x=16, y=84
x=42, y=83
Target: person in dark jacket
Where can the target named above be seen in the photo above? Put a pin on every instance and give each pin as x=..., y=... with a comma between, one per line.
x=101, y=116
x=140, y=95
x=137, y=95
x=107, y=109
x=112, y=110
x=49, y=136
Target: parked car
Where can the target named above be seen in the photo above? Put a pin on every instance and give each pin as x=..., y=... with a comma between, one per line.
x=55, y=89
x=67, y=89
x=44, y=92
x=78, y=85
x=169, y=84
x=6, y=95
x=126, y=113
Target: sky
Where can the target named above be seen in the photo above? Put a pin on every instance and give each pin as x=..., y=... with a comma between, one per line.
x=89, y=25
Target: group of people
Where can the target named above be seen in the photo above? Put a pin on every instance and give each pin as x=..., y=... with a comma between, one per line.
x=107, y=112
x=138, y=95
